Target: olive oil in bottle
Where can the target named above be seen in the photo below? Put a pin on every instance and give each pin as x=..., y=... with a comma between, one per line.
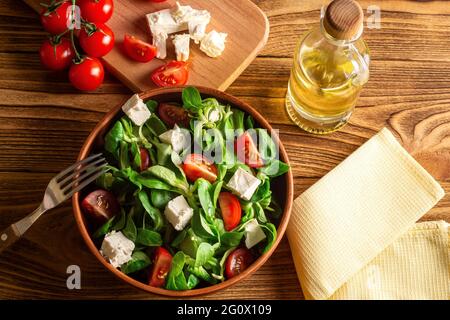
x=331, y=64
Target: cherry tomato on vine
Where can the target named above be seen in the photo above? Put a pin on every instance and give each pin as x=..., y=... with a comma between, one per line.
x=56, y=16
x=86, y=74
x=56, y=54
x=96, y=39
x=138, y=50
x=96, y=10
x=173, y=73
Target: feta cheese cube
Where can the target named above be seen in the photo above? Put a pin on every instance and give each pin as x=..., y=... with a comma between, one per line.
x=178, y=213
x=253, y=233
x=159, y=40
x=177, y=137
x=243, y=184
x=136, y=110
x=197, y=30
x=163, y=21
x=117, y=248
x=213, y=43
x=181, y=13
x=181, y=44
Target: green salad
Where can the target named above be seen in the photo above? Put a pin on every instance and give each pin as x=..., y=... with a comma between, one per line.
x=187, y=199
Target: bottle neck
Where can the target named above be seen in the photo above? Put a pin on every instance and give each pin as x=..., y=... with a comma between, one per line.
x=333, y=40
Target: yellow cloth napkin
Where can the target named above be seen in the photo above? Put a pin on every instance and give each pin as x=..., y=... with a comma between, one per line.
x=357, y=214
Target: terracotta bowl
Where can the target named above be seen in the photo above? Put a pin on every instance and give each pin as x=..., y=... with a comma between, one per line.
x=282, y=187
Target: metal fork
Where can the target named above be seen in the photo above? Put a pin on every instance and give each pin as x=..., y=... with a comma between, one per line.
x=59, y=189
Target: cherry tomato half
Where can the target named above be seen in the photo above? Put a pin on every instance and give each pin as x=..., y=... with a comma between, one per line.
x=247, y=152
x=231, y=210
x=196, y=166
x=138, y=50
x=87, y=74
x=96, y=39
x=100, y=205
x=174, y=73
x=56, y=17
x=161, y=266
x=238, y=260
x=145, y=159
x=172, y=114
x=96, y=10
x=56, y=54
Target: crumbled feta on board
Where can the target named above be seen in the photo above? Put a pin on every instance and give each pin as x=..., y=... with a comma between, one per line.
x=177, y=137
x=117, y=248
x=253, y=233
x=213, y=43
x=243, y=184
x=136, y=110
x=178, y=213
x=181, y=44
x=164, y=21
x=160, y=42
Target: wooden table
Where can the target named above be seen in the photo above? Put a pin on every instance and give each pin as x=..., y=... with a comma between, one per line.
x=44, y=121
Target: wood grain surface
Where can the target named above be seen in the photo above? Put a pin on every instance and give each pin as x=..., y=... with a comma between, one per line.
x=234, y=17
x=44, y=121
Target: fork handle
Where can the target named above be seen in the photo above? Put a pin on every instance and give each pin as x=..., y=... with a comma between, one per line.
x=8, y=237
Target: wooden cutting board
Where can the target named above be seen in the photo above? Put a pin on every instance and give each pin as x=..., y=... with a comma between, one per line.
x=247, y=27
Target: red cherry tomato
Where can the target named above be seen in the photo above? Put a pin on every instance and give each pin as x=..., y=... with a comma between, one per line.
x=98, y=41
x=96, y=10
x=145, y=159
x=56, y=17
x=56, y=54
x=231, y=210
x=161, y=267
x=237, y=262
x=171, y=114
x=100, y=205
x=87, y=74
x=247, y=152
x=196, y=166
x=138, y=50
x=174, y=73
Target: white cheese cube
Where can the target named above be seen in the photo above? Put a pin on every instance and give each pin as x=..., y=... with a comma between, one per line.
x=243, y=184
x=160, y=42
x=253, y=233
x=117, y=248
x=181, y=13
x=178, y=213
x=177, y=137
x=213, y=44
x=164, y=21
x=197, y=30
x=136, y=110
x=181, y=44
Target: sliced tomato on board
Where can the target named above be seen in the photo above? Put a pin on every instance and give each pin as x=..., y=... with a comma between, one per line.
x=172, y=114
x=247, y=152
x=196, y=166
x=100, y=205
x=173, y=73
x=231, y=210
x=161, y=267
x=138, y=50
x=238, y=260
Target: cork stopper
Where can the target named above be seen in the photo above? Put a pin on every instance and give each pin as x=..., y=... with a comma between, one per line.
x=343, y=19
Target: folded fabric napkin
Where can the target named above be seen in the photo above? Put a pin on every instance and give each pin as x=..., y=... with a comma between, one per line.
x=353, y=234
